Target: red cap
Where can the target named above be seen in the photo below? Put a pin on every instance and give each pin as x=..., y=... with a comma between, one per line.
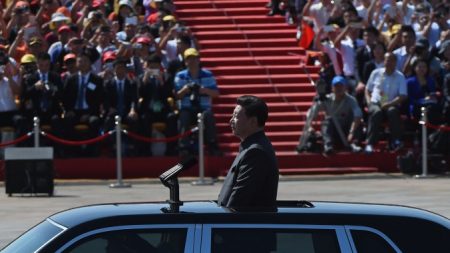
x=144, y=40
x=64, y=28
x=109, y=55
x=97, y=3
x=69, y=56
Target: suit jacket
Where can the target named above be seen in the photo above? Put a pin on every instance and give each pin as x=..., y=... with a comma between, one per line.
x=111, y=96
x=94, y=93
x=152, y=92
x=252, y=180
x=32, y=98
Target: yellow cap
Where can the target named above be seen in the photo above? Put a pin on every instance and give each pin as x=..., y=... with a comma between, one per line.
x=169, y=18
x=35, y=40
x=190, y=52
x=28, y=58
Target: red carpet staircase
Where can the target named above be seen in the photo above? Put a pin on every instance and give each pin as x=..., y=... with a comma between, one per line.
x=251, y=53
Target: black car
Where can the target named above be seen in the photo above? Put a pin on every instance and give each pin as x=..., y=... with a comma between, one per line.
x=203, y=226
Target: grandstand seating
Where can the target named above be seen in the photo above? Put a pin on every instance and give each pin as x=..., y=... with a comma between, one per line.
x=251, y=53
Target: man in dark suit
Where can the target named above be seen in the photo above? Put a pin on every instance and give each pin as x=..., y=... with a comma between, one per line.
x=41, y=97
x=82, y=99
x=121, y=99
x=252, y=180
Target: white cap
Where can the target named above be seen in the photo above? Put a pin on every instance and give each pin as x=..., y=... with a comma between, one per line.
x=126, y=2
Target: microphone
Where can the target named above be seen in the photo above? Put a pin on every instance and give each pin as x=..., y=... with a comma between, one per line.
x=175, y=170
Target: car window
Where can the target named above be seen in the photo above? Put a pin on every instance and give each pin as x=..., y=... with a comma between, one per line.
x=124, y=241
x=368, y=242
x=34, y=238
x=266, y=240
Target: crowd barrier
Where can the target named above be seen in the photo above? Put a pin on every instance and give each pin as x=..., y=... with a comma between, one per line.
x=199, y=128
x=118, y=131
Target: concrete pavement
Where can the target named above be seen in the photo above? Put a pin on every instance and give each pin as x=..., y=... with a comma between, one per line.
x=20, y=212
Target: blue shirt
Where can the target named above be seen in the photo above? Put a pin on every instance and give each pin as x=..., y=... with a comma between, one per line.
x=417, y=93
x=205, y=80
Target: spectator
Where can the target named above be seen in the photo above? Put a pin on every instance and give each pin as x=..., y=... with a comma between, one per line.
x=154, y=94
x=57, y=50
x=41, y=96
x=348, y=43
x=422, y=92
x=108, y=59
x=195, y=88
x=141, y=50
x=407, y=37
x=377, y=61
x=385, y=92
x=121, y=98
x=9, y=89
x=345, y=110
x=70, y=66
x=319, y=12
x=82, y=99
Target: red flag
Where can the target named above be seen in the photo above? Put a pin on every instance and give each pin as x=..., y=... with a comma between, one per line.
x=307, y=36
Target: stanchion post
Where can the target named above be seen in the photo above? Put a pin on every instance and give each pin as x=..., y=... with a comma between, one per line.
x=201, y=153
x=423, y=122
x=37, y=131
x=119, y=183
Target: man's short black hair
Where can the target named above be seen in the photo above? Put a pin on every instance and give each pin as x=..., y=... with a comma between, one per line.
x=254, y=107
x=409, y=29
x=43, y=56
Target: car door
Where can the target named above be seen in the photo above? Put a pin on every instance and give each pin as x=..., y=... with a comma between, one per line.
x=274, y=238
x=173, y=238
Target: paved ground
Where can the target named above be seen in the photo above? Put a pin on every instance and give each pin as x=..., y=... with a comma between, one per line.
x=20, y=212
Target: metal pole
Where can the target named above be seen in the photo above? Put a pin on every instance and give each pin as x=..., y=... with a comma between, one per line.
x=119, y=183
x=201, y=153
x=37, y=131
x=423, y=122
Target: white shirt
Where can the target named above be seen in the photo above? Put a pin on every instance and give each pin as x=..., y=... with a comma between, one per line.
x=348, y=53
x=385, y=88
x=82, y=79
x=402, y=55
x=7, y=100
x=320, y=15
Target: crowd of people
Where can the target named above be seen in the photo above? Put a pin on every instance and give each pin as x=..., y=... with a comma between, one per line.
x=77, y=64
x=393, y=57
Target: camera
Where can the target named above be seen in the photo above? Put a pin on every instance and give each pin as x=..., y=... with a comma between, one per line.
x=195, y=94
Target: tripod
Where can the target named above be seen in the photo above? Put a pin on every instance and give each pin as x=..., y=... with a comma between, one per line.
x=311, y=114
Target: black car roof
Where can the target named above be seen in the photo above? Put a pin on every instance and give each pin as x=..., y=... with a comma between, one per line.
x=80, y=215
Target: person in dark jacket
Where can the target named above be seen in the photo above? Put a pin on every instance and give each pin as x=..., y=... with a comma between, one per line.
x=252, y=181
x=41, y=97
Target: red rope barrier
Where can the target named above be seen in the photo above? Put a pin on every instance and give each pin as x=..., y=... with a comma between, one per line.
x=20, y=139
x=168, y=139
x=441, y=127
x=77, y=143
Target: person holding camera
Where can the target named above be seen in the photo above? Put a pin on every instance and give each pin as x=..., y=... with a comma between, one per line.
x=41, y=96
x=195, y=88
x=340, y=108
x=155, y=91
